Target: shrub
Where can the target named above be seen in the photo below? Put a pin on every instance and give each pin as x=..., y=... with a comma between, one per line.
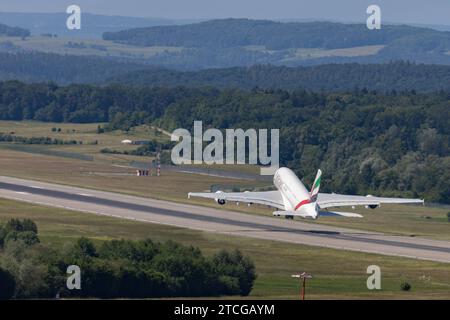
x=405, y=286
x=235, y=265
x=15, y=229
x=448, y=217
x=83, y=248
x=21, y=225
x=28, y=237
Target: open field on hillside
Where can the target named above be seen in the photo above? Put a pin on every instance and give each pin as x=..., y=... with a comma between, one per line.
x=87, y=47
x=96, y=175
x=92, y=141
x=315, y=53
x=345, y=52
x=337, y=274
x=105, y=48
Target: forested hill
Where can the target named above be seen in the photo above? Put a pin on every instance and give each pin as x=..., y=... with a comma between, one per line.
x=61, y=69
x=229, y=33
x=244, y=42
x=13, y=31
x=68, y=69
x=365, y=142
x=93, y=25
x=330, y=77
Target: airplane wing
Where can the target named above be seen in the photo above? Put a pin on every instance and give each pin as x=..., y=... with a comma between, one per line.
x=270, y=198
x=328, y=200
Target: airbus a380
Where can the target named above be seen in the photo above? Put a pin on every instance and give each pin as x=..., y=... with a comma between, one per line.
x=292, y=199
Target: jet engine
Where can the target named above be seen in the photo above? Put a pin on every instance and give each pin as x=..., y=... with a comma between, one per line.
x=371, y=206
x=219, y=200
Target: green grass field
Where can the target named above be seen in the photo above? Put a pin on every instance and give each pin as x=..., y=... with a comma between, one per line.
x=87, y=133
x=337, y=274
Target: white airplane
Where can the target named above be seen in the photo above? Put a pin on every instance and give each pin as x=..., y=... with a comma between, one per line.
x=293, y=199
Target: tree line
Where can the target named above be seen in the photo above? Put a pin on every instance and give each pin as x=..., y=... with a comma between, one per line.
x=227, y=33
x=13, y=31
x=63, y=69
x=366, y=142
x=116, y=268
x=68, y=69
x=36, y=140
x=399, y=76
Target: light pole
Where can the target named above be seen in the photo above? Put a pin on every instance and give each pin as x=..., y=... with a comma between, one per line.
x=302, y=278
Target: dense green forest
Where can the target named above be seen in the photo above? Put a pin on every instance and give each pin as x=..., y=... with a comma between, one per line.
x=63, y=70
x=366, y=142
x=13, y=31
x=116, y=268
x=398, y=76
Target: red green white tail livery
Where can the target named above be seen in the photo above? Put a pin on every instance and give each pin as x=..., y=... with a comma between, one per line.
x=316, y=186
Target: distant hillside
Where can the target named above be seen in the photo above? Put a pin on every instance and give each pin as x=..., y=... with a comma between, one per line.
x=45, y=67
x=229, y=33
x=93, y=25
x=66, y=69
x=13, y=31
x=330, y=77
x=244, y=42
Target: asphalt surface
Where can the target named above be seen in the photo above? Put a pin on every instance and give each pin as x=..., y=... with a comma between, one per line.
x=221, y=221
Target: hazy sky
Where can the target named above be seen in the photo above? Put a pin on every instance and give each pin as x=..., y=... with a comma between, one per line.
x=411, y=11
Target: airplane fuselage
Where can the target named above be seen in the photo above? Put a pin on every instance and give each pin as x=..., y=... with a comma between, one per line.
x=295, y=195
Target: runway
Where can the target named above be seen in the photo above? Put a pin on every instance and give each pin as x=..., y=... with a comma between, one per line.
x=221, y=221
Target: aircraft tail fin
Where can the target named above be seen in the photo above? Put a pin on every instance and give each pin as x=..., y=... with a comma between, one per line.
x=316, y=186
